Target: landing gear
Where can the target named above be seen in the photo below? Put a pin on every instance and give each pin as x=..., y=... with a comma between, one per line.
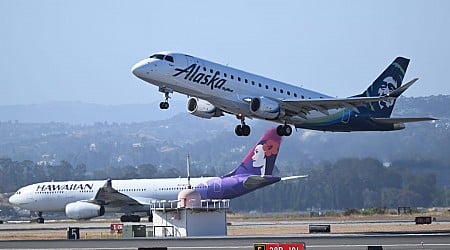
x=243, y=129
x=130, y=218
x=164, y=105
x=167, y=91
x=40, y=219
x=284, y=130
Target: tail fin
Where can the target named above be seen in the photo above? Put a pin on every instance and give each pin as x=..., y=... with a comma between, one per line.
x=388, y=81
x=261, y=158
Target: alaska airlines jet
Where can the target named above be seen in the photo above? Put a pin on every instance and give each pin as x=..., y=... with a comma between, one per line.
x=89, y=199
x=215, y=89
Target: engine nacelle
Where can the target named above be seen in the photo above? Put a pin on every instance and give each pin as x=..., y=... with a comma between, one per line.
x=202, y=108
x=83, y=210
x=265, y=108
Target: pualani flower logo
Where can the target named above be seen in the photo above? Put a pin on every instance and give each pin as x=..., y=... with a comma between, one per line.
x=270, y=148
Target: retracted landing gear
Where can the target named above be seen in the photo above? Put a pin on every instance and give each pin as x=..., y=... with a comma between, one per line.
x=284, y=130
x=166, y=91
x=243, y=129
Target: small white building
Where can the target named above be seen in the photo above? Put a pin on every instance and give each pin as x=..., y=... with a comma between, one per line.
x=190, y=216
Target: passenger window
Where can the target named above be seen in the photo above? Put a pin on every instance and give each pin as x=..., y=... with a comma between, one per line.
x=303, y=97
x=295, y=94
x=232, y=77
x=246, y=81
x=253, y=82
x=259, y=84
x=289, y=93
x=211, y=71
x=274, y=89
x=267, y=87
x=204, y=68
x=281, y=91
x=239, y=79
x=225, y=74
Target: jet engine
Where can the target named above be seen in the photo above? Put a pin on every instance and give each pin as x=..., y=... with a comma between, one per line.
x=265, y=108
x=202, y=108
x=83, y=210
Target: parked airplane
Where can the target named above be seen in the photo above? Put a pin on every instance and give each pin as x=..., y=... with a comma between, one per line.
x=215, y=89
x=88, y=199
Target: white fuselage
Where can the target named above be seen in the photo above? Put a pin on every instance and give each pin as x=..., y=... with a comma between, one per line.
x=229, y=89
x=54, y=196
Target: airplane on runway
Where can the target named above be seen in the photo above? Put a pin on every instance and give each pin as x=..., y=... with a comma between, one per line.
x=214, y=89
x=89, y=199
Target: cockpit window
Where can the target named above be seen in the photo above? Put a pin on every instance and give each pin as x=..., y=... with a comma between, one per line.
x=162, y=57
x=158, y=56
x=169, y=58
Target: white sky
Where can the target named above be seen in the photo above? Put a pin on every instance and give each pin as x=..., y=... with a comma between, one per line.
x=82, y=50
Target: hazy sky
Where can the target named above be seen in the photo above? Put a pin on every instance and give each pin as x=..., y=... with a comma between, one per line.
x=83, y=50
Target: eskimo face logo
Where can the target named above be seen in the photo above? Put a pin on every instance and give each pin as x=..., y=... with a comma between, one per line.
x=389, y=84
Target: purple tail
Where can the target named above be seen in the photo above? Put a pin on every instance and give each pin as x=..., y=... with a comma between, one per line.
x=261, y=158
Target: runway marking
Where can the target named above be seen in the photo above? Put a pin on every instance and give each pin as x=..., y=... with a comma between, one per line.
x=384, y=245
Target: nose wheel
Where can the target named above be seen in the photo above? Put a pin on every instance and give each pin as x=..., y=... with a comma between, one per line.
x=284, y=130
x=167, y=91
x=164, y=105
x=243, y=129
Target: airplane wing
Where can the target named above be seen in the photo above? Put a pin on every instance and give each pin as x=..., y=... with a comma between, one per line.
x=303, y=107
x=109, y=196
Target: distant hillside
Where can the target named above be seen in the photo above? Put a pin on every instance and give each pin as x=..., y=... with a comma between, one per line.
x=87, y=113
x=212, y=143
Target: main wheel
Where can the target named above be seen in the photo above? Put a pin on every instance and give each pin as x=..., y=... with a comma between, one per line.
x=40, y=220
x=284, y=130
x=245, y=130
x=287, y=130
x=124, y=218
x=238, y=130
x=280, y=130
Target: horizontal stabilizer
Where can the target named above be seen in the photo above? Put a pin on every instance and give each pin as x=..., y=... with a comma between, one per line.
x=397, y=92
x=254, y=181
x=402, y=120
x=287, y=178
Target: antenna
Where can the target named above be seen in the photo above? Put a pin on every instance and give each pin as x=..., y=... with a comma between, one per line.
x=189, y=171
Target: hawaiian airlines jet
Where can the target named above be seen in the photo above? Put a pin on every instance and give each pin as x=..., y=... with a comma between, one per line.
x=89, y=199
x=215, y=89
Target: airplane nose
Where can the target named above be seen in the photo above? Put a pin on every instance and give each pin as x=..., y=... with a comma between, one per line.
x=13, y=199
x=138, y=68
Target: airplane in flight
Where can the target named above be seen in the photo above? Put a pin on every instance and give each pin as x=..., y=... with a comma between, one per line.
x=89, y=199
x=214, y=90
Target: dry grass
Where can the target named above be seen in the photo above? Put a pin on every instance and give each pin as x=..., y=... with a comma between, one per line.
x=240, y=225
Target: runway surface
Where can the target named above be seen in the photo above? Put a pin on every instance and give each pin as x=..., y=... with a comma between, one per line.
x=344, y=235
x=318, y=241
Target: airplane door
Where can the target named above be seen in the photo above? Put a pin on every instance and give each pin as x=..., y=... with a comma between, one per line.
x=189, y=60
x=346, y=116
x=192, y=60
x=217, y=186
